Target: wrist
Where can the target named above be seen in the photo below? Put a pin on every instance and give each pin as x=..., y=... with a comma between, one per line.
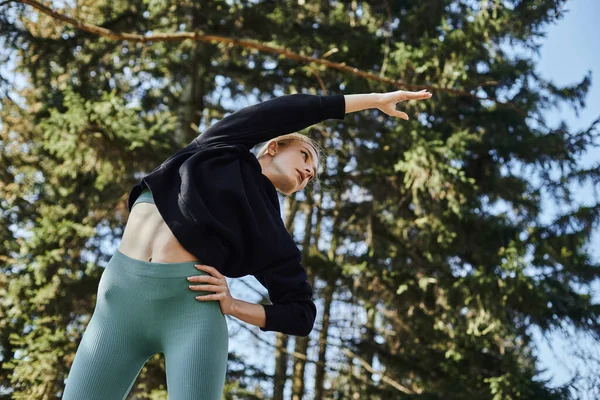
x=233, y=309
x=376, y=99
x=359, y=102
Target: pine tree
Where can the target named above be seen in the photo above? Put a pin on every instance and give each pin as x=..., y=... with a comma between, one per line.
x=428, y=253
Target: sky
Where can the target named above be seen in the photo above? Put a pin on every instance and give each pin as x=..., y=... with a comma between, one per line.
x=571, y=49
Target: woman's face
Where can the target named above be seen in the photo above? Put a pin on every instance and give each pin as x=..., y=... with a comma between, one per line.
x=290, y=167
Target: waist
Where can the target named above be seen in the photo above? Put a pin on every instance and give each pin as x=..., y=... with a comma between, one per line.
x=148, y=238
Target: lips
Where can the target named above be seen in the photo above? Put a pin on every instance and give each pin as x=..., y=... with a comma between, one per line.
x=301, y=176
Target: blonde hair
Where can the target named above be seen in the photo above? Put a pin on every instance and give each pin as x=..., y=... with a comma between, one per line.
x=283, y=140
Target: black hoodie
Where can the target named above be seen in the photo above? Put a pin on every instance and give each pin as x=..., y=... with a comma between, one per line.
x=222, y=209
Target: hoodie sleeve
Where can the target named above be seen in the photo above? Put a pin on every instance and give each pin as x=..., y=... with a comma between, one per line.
x=292, y=310
x=264, y=121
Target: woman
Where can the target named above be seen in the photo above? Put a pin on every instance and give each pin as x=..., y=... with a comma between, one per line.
x=209, y=211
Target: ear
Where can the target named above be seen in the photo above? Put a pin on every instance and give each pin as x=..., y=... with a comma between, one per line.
x=273, y=147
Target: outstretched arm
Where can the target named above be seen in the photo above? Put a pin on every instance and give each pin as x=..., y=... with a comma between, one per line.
x=285, y=114
x=269, y=119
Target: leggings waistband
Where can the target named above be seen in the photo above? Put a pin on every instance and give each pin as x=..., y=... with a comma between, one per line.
x=155, y=269
x=144, y=197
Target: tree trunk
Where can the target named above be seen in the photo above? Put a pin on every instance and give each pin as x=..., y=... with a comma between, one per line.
x=369, y=336
x=192, y=96
x=281, y=357
x=301, y=345
x=369, y=354
x=320, y=373
x=327, y=296
x=280, y=366
x=299, y=367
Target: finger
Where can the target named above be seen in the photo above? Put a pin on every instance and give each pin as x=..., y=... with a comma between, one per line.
x=402, y=95
x=399, y=114
x=393, y=112
x=209, y=269
x=420, y=95
x=209, y=297
x=207, y=288
x=204, y=278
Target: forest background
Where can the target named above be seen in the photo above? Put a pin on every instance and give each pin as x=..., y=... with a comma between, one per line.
x=447, y=252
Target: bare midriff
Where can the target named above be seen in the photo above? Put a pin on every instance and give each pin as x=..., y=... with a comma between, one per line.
x=148, y=238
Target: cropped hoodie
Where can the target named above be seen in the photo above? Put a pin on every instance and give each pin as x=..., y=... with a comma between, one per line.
x=213, y=196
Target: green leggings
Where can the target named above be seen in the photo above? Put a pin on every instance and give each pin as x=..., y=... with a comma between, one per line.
x=144, y=308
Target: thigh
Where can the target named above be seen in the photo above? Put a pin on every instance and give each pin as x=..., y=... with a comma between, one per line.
x=196, y=358
x=106, y=364
x=114, y=346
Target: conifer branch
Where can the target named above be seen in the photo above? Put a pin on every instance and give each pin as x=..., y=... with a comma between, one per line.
x=283, y=349
x=251, y=44
x=372, y=370
x=348, y=353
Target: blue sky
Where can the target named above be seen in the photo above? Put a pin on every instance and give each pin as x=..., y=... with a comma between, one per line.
x=571, y=49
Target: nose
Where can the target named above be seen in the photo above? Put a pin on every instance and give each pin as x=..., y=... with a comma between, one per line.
x=310, y=173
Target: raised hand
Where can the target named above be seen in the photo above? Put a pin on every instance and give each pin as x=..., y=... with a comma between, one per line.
x=387, y=101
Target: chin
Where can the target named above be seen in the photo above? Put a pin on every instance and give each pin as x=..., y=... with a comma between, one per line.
x=286, y=191
x=291, y=189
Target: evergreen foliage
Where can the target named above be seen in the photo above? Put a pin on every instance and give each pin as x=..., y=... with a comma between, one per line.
x=431, y=230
